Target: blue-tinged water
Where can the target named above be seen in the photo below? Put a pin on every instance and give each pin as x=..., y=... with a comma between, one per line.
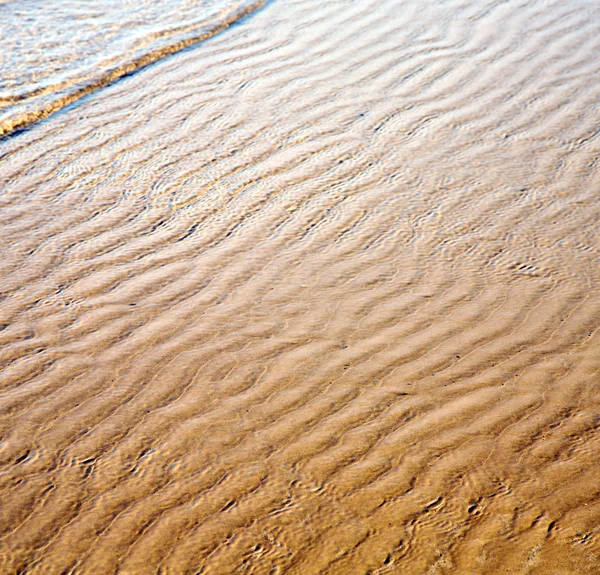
x=53, y=52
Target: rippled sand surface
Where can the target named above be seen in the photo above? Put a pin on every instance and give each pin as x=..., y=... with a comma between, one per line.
x=319, y=295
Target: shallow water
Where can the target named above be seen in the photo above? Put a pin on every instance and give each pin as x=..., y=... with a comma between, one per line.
x=54, y=53
x=318, y=295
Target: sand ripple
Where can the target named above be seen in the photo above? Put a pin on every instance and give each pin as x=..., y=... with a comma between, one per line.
x=318, y=296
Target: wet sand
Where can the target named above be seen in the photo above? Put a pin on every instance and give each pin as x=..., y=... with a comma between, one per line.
x=318, y=295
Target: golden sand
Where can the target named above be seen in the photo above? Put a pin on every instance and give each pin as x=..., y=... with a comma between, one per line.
x=319, y=295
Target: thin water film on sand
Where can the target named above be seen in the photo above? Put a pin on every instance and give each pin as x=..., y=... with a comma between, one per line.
x=318, y=295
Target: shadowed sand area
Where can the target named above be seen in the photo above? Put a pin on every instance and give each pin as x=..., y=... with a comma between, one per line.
x=319, y=295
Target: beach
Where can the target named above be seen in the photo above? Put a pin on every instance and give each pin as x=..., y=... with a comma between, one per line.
x=314, y=290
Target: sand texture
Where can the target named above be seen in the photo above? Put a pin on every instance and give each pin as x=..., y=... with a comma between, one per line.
x=318, y=295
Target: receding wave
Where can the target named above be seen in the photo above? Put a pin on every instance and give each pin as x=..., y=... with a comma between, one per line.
x=52, y=55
